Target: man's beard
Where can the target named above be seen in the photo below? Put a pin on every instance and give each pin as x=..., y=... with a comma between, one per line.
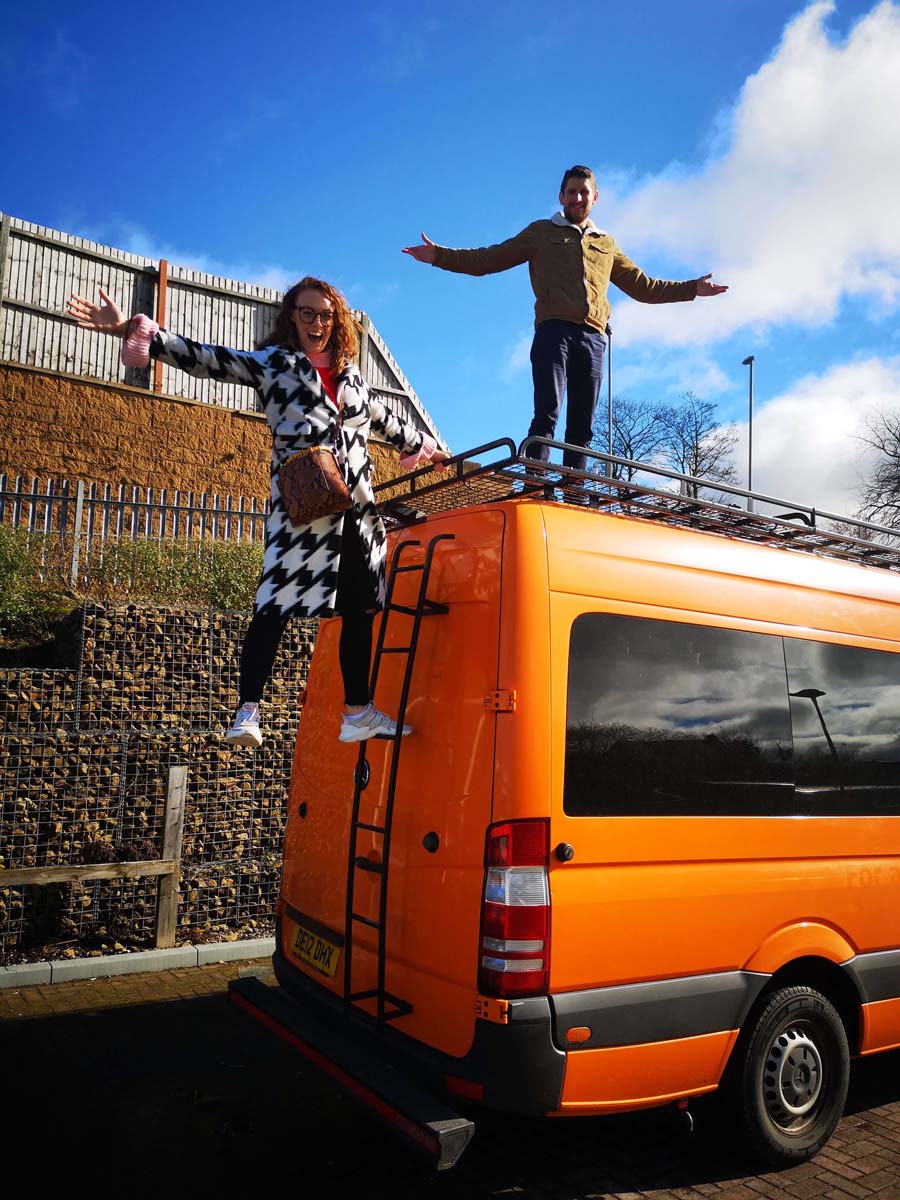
x=575, y=216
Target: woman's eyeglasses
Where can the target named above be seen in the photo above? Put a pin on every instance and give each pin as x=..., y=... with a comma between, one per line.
x=308, y=316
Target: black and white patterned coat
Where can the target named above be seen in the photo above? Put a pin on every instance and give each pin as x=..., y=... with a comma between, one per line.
x=300, y=564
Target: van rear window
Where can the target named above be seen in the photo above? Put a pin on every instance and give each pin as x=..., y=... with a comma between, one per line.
x=665, y=718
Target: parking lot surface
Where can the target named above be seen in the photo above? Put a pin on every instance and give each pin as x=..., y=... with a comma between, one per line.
x=156, y=1083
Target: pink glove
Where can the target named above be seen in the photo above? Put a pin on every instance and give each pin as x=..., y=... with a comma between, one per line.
x=409, y=462
x=136, y=345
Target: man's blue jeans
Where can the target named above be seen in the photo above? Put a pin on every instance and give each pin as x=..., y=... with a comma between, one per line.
x=566, y=358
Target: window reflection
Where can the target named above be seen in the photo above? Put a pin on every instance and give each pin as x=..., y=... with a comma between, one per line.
x=670, y=719
x=845, y=706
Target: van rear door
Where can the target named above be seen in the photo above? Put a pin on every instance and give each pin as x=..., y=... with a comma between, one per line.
x=442, y=802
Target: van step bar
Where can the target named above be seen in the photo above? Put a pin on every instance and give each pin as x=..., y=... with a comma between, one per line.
x=364, y=1071
x=388, y=1007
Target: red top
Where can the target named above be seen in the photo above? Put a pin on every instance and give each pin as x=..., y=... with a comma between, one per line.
x=322, y=363
x=329, y=382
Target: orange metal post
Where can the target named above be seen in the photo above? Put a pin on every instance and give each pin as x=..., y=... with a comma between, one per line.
x=161, y=289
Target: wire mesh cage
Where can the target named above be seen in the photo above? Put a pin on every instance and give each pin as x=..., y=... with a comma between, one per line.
x=86, y=770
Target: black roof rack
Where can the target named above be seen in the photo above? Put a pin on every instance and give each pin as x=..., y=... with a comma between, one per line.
x=500, y=470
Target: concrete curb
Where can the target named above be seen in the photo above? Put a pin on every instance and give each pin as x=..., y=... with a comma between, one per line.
x=66, y=969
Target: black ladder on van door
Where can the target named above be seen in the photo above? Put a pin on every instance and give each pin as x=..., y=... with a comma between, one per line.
x=388, y=1007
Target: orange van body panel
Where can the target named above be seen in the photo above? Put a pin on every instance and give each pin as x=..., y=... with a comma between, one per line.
x=880, y=1026
x=807, y=939
x=643, y=899
x=524, y=739
x=681, y=572
x=705, y=903
x=619, y=1078
x=443, y=786
x=665, y=897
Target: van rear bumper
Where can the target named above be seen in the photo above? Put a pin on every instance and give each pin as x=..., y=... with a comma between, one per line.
x=514, y=1066
x=361, y=1070
x=516, y=1063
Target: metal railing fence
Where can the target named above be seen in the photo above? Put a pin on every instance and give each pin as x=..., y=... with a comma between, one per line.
x=75, y=527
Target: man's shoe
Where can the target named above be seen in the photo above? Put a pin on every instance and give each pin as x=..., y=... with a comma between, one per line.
x=245, y=730
x=369, y=724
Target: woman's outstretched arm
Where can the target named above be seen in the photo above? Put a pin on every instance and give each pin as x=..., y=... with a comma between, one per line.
x=145, y=340
x=105, y=317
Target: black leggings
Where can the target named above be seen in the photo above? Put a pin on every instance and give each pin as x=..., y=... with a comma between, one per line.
x=356, y=604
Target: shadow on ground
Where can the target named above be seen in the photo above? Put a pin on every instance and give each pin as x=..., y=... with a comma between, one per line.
x=190, y=1097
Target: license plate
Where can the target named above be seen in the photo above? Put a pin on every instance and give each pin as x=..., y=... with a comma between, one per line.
x=317, y=952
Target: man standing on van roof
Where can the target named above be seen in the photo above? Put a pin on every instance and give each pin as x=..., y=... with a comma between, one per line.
x=571, y=263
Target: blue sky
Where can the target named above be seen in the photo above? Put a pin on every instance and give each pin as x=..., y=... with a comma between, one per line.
x=757, y=139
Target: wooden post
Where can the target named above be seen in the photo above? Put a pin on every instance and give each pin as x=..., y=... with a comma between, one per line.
x=167, y=896
x=364, y=347
x=161, y=289
x=4, y=243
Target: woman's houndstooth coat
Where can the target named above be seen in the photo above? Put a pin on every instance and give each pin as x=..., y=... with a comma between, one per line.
x=300, y=564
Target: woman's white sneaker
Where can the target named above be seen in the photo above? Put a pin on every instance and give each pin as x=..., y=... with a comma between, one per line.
x=368, y=724
x=245, y=730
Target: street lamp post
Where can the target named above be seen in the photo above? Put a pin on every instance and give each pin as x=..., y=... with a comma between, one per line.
x=748, y=362
x=609, y=382
x=813, y=694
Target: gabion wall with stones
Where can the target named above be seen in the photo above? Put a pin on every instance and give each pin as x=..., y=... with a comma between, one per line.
x=86, y=750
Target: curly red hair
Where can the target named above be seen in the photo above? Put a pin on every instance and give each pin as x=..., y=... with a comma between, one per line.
x=345, y=333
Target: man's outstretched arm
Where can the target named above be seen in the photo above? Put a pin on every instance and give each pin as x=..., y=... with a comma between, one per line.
x=423, y=253
x=706, y=288
x=486, y=260
x=628, y=276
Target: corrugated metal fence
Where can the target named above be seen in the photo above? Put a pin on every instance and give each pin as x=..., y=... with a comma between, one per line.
x=40, y=268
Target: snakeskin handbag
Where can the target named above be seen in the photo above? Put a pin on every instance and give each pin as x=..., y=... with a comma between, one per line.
x=312, y=485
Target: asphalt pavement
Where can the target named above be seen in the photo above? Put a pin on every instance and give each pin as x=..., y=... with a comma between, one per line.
x=156, y=1085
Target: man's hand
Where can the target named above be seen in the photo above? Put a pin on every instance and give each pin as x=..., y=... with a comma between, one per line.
x=105, y=318
x=705, y=288
x=424, y=253
x=438, y=459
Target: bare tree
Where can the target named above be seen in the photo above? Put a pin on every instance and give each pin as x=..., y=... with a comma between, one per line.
x=638, y=433
x=881, y=492
x=696, y=444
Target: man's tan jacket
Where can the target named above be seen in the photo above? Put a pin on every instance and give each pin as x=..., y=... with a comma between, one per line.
x=570, y=271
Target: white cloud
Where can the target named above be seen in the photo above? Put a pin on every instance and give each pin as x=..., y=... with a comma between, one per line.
x=371, y=298
x=692, y=370
x=645, y=374
x=231, y=134
x=399, y=52
x=799, y=209
x=806, y=445
x=126, y=235
x=517, y=358
x=64, y=73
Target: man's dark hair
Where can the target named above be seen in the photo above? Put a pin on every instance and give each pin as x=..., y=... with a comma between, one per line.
x=577, y=173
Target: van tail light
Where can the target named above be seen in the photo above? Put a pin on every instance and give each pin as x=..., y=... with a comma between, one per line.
x=514, y=947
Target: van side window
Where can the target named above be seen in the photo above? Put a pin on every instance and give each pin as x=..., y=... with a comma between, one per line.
x=669, y=719
x=845, y=705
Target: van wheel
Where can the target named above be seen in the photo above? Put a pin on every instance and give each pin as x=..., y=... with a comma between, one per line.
x=794, y=1077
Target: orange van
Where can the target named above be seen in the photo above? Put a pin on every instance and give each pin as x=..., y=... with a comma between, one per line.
x=644, y=841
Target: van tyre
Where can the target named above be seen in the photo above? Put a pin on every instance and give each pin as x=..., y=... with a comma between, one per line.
x=794, y=1075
